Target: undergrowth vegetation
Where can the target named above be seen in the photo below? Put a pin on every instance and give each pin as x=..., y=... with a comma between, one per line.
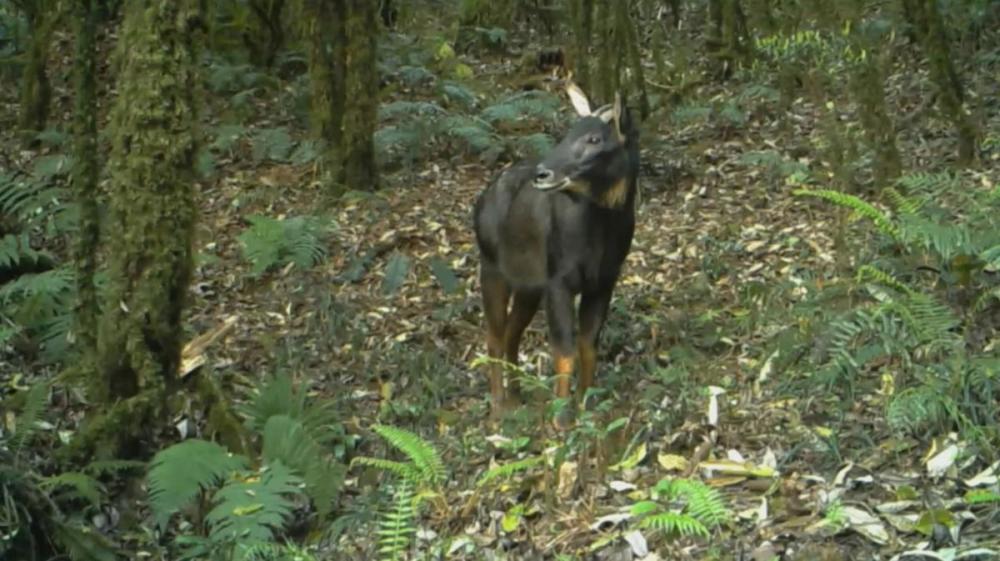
x=813, y=292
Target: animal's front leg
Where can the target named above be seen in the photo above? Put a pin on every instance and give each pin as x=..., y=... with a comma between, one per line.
x=561, y=320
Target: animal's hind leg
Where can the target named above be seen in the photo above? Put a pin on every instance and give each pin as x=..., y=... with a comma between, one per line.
x=496, y=294
x=593, y=312
x=521, y=312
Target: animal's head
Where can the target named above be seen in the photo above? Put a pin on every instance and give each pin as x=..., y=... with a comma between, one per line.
x=598, y=157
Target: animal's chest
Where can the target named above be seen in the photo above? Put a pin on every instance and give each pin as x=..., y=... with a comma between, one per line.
x=554, y=244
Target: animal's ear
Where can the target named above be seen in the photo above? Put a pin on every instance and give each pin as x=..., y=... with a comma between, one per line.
x=616, y=117
x=578, y=99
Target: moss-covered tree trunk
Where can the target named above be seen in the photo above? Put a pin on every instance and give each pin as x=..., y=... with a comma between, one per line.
x=728, y=40
x=925, y=17
x=36, y=91
x=867, y=87
x=267, y=31
x=152, y=218
x=582, y=15
x=326, y=36
x=629, y=41
x=361, y=107
x=85, y=174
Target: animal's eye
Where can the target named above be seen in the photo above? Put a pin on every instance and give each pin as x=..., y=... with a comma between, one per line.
x=593, y=139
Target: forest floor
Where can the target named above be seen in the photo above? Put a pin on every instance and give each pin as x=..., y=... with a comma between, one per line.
x=714, y=233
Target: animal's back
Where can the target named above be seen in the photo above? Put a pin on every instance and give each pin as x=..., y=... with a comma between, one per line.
x=510, y=224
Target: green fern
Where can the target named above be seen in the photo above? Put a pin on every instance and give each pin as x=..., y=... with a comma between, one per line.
x=31, y=414
x=914, y=410
x=675, y=523
x=905, y=206
x=250, y=510
x=53, y=284
x=400, y=469
x=271, y=242
x=79, y=485
x=396, y=527
x=703, y=502
x=530, y=105
x=290, y=442
x=272, y=144
x=424, y=469
x=300, y=434
x=701, y=509
x=534, y=145
x=421, y=453
x=510, y=469
x=870, y=272
x=15, y=249
x=178, y=473
x=858, y=205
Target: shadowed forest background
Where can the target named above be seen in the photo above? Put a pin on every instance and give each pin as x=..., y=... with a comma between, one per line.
x=239, y=305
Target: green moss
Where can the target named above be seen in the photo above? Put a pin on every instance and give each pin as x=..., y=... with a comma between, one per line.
x=152, y=207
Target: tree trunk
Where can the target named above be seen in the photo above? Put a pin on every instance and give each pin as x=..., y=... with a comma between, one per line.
x=85, y=175
x=629, y=41
x=934, y=39
x=582, y=14
x=36, y=92
x=361, y=107
x=866, y=82
x=326, y=35
x=267, y=34
x=152, y=212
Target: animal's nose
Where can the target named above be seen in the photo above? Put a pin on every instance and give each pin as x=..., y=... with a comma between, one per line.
x=544, y=174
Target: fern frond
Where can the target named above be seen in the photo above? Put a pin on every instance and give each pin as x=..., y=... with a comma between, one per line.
x=858, y=205
x=422, y=453
x=289, y=441
x=79, y=484
x=915, y=409
x=675, y=523
x=252, y=509
x=509, y=469
x=929, y=182
x=402, y=470
x=870, y=272
x=31, y=413
x=16, y=249
x=54, y=283
x=178, y=473
x=905, y=206
x=270, y=242
x=82, y=543
x=396, y=526
x=703, y=502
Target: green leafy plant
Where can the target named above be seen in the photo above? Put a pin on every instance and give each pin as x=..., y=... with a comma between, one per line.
x=271, y=242
x=416, y=480
x=248, y=501
x=702, y=508
x=58, y=506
